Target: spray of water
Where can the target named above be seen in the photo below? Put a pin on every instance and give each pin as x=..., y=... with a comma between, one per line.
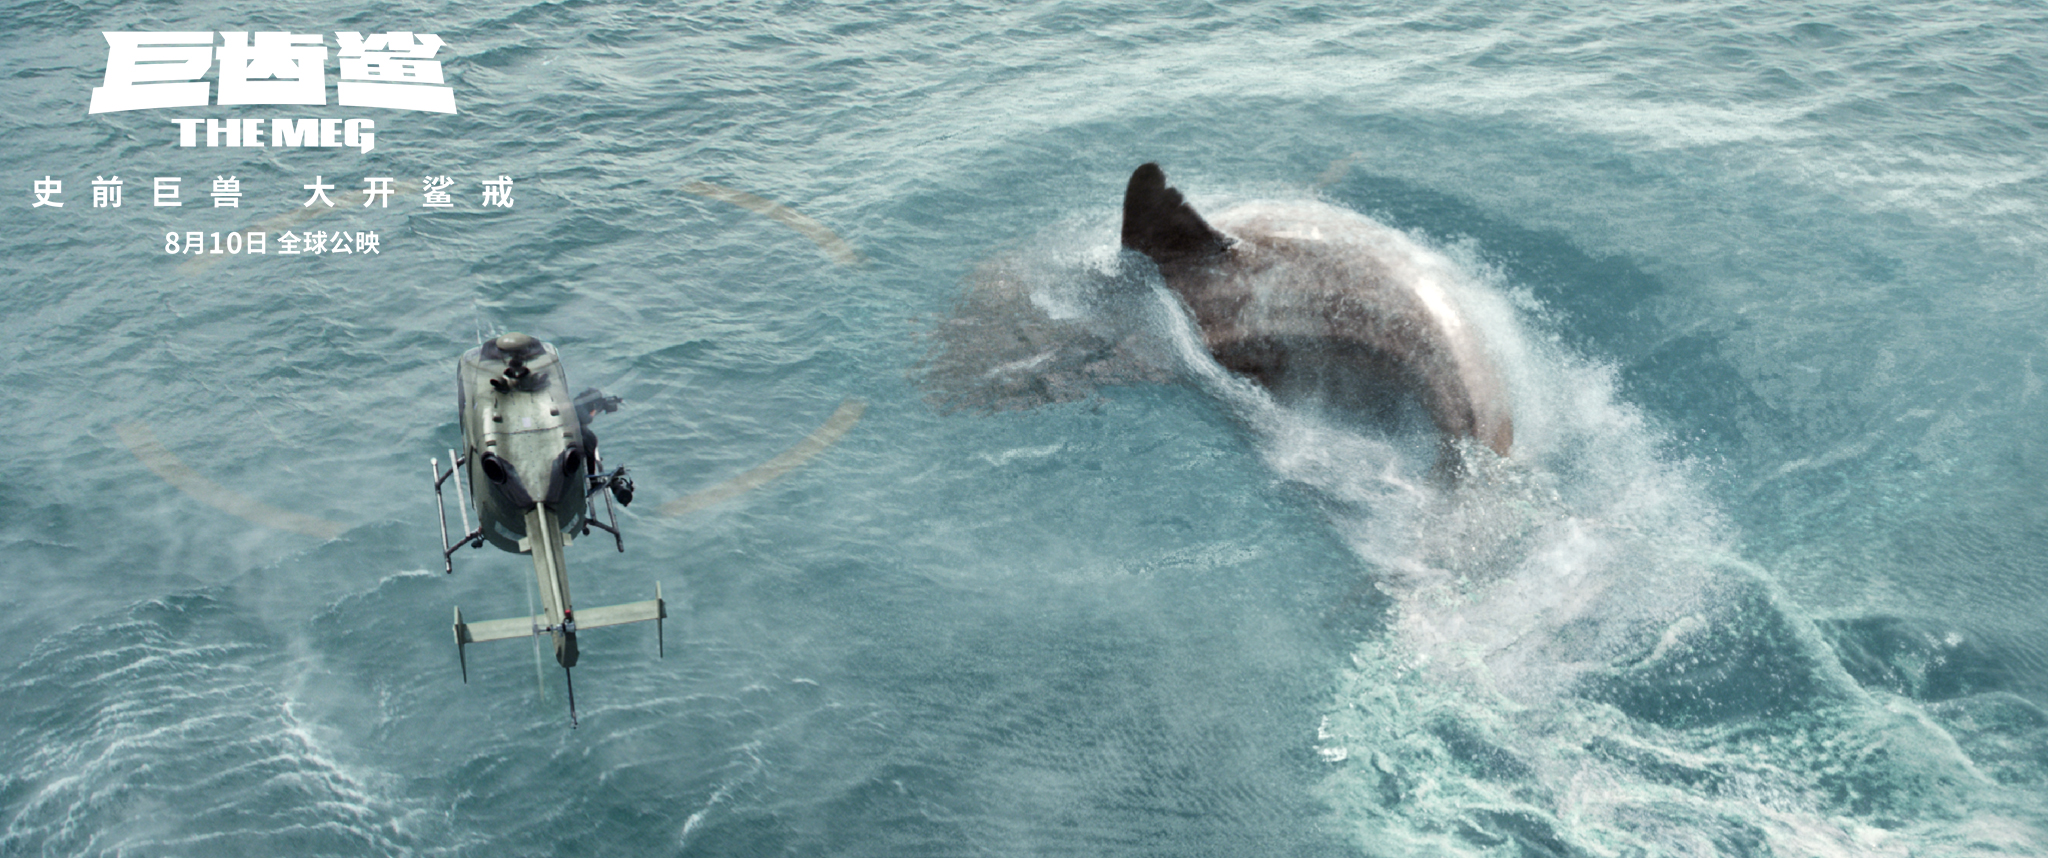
x=1577, y=661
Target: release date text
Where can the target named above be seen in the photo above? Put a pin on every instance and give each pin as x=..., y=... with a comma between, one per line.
x=287, y=243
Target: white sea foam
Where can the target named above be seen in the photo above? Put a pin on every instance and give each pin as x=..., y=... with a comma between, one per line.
x=1538, y=598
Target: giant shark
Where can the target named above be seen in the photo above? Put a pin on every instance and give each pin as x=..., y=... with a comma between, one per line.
x=1314, y=305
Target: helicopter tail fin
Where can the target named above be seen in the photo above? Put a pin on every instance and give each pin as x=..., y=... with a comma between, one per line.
x=467, y=633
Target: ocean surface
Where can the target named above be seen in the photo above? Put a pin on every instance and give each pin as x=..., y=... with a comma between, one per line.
x=1764, y=575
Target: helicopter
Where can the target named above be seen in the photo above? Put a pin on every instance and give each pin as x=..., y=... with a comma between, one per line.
x=532, y=469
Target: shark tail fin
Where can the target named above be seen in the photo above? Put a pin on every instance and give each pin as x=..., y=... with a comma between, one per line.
x=1159, y=223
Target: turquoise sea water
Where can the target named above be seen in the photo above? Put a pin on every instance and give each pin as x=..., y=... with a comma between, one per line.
x=1763, y=577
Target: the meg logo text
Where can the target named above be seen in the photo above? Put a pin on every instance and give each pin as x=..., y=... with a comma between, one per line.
x=283, y=132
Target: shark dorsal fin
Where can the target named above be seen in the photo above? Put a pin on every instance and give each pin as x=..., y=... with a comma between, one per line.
x=1159, y=223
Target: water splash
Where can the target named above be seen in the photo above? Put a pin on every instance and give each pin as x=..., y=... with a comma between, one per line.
x=1578, y=661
